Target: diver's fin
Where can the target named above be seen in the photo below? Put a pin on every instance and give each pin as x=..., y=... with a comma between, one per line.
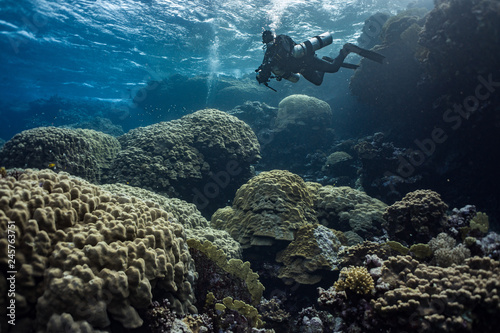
x=365, y=53
x=351, y=66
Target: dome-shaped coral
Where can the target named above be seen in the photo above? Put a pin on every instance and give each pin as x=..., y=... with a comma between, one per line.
x=303, y=110
x=271, y=206
x=81, y=152
x=198, y=158
x=418, y=217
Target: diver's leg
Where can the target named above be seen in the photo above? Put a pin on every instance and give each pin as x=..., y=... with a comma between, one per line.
x=313, y=76
x=344, y=64
x=329, y=66
x=364, y=53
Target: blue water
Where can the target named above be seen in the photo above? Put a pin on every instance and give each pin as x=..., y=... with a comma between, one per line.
x=109, y=50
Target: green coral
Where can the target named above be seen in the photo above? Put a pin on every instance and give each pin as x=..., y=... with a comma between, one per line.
x=235, y=267
x=304, y=111
x=398, y=247
x=480, y=222
x=421, y=251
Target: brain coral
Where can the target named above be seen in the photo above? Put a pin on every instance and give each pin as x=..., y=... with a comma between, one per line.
x=84, y=252
x=81, y=152
x=418, y=217
x=269, y=207
x=428, y=298
x=198, y=158
x=303, y=110
x=346, y=209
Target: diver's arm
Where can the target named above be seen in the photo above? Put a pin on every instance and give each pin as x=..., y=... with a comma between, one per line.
x=264, y=70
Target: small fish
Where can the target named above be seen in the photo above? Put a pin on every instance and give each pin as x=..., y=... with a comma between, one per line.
x=52, y=165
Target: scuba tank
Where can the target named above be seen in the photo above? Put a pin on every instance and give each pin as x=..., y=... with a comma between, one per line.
x=312, y=44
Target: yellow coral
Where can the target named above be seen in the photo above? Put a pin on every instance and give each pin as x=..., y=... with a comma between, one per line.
x=357, y=279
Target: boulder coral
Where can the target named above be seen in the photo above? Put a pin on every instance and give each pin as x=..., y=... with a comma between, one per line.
x=198, y=158
x=418, y=217
x=83, y=251
x=303, y=111
x=80, y=152
x=272, y=206
x=347, y=209
x=269, y=208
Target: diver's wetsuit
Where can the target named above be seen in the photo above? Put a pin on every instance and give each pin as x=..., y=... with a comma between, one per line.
x=278, y=57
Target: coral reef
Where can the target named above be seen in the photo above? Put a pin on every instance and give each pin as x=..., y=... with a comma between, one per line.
x=356, y=254
x=419, y=216
x=302, y=126
x=273, y=313
x=199, y=158
x=435, y=299
x=339, y=164
x=353, y=313
x=453, y=24
x=310, y=256
x=214, y=279
x=311, y=320
x=81, y=152
x=196, y=226
x=346, y=209
x=84, y=252
x=270, y=207
x=459, y=220
x=490, y=245
x=446, y=252
x=479, y=224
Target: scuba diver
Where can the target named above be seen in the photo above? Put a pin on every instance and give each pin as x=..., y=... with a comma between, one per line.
x=286, y=59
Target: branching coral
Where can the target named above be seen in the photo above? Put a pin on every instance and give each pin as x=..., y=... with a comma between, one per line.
x=356, y=279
